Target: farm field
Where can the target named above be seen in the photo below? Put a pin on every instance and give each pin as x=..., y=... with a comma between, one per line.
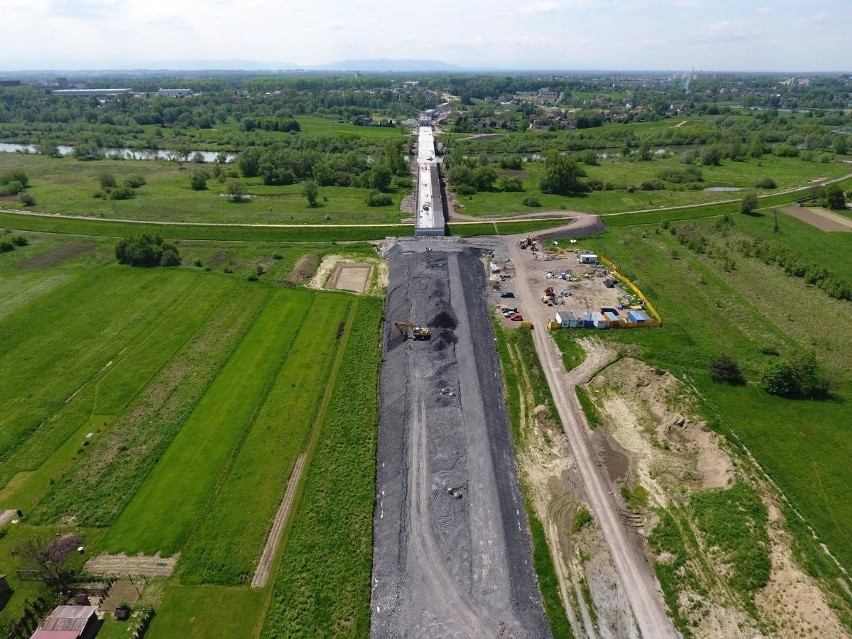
x=740, y=306
x=163, y=398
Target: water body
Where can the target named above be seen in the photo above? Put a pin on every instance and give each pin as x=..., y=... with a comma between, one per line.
x=723, y=189
x=121, y=153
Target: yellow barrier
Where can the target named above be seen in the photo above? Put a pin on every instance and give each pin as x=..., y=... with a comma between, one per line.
x=658, y=321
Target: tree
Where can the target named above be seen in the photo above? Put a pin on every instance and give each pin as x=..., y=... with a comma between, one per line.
x=561, y=174
x=235, y=190
x=380, y=176
x=50, y=557
x=198, y=180
x=749, y=202
x=711, y=156
x=799, y=376
x=311, y=192
x=146, y=250
x=834, y=197
x=723, y=368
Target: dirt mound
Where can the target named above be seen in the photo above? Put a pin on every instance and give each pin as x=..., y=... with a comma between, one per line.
x=444, y=320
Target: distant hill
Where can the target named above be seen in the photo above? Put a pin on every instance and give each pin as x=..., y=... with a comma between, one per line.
x=386, y=64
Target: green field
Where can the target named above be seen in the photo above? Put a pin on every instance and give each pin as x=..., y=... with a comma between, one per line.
x=229, y=537
x=787, y=173
x=748, y=310
x=66, y=186
x=205, y=611
x=166, y=407
x=322, y=588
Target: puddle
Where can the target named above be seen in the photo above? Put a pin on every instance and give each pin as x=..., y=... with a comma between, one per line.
x=615, y=461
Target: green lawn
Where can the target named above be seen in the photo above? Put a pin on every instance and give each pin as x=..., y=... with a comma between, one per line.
x=205, y=612
x=313, y=126
x=228, y=538
x=210, y=436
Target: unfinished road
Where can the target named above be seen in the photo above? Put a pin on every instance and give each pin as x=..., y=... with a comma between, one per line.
x=452, y=554
x=635, y=573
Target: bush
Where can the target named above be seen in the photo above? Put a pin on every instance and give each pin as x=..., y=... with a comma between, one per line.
x=20, y=240
x=531, y=201
x=11, y=188
x=375, y=198
x=26, y=199
x=6, y=246
x=15, y=176
x=681, y=176
x=123, y=192
x=766, y=182
x=107, y=180
x=512, y=162
x=198, y=180
x=723, y=368
x=135, y=181
x=749, y=202
x=510, y=184
x=652, y=185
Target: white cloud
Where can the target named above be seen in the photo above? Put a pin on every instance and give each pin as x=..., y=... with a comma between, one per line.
x=540, y=7
x=333, y=25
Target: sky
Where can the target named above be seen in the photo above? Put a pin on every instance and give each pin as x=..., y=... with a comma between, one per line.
x=718, y=35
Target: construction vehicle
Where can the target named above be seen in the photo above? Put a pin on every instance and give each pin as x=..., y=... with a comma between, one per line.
x=526, y=242
x=418, y=332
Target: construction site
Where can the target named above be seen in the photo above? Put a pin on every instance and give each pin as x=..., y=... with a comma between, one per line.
x=579, y=288
x=452, y=553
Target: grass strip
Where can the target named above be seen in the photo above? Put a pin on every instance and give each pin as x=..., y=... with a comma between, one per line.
x=189, y=469
x=322, y=586
x=228, y=538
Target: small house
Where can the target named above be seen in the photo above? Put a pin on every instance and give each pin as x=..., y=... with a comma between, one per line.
x=599, y=321
x=69, y=622
x=587, y=320
x=587, y=258
x=611, y=318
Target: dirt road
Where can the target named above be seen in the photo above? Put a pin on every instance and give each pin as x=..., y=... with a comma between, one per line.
x=636, y=575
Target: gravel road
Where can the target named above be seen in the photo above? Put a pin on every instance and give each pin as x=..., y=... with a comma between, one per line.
x=451, y=539
x=636, y=575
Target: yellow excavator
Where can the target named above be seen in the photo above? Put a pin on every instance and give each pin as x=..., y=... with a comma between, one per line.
x=417, y=331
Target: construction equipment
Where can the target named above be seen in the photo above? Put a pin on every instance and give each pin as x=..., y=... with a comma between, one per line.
x=418, y=332
x=526, y=242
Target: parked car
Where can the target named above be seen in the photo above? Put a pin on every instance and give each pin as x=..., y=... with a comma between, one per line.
x=506, y=294
x=517, y=317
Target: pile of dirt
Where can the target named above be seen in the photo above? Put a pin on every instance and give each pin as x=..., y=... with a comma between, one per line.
x=444, y=320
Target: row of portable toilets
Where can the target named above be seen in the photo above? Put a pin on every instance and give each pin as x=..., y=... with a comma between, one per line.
x=606, y=318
